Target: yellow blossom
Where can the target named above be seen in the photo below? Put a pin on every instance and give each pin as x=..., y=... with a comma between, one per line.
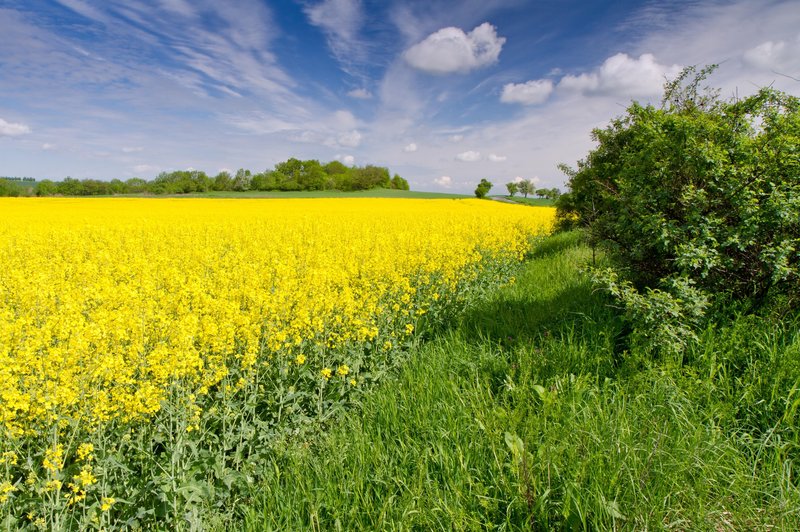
x=85, y=451
x=54, y=458
x=106, y=503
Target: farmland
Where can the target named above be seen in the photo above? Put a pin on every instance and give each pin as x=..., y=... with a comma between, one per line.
x=154, y=353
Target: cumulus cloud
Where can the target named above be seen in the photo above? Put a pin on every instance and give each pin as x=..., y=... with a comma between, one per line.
x=12, y=129
x=351, y=139
x=497, y=158
x=528, y=93
x=47, y=146
x=451, y=50
x=360, y=94
x=444, y=181
x=778, y=56
x=622, y=75
x=349, y=160
x=411, y=148
x=469, y=156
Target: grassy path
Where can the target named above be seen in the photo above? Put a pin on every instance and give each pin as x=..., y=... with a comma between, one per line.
x=529, y=414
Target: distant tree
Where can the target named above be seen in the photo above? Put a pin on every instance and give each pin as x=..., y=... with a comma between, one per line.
x=70, y=187
x=45, y=187
x=398, y=183
x=241, y=181
x=202, y=183
x=7, y=188
x=263, y=181
x=116, y=186
x=525, y=187
x=95, y=187
x=136, y=185
x=335, y=167
x=541, y=192
x=483, y=188
x=222, y=181
x=312, y=175
x=371, y=176
x=512, y=188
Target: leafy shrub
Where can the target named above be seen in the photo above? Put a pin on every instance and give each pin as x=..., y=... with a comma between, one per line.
x=699, y=189
x=483, y=188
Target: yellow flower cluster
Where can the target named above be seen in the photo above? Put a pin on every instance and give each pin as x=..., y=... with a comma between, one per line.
x=104, y=303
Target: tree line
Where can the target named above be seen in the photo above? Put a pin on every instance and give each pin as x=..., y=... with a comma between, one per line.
x=290, y=175
x=526, y=187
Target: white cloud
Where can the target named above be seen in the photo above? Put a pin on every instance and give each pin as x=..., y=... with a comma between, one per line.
x=528, y=93
x=444, y=181
x=469, y=156
x=411, y=148
x=622, y=75
x=360, y=94
x=455, y=138
x=349, y=160
x=306, y=136
x=451, y=50
x=47, y=146
x=778, y=56
x=351, y=139
x=144, y=168
x=12, y=129
x=497, y=158
x=344, y=119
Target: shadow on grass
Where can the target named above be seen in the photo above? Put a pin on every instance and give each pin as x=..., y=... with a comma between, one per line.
x=556, y=318
x=557, y=243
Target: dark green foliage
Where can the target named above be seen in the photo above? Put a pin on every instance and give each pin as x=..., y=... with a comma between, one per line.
x=483, y=188
x=512, y=188
x=700, y=192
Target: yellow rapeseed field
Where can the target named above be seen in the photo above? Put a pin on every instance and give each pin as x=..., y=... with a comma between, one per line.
x=106, y=305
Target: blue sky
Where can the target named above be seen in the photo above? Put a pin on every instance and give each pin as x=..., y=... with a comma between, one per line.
x=443, y=92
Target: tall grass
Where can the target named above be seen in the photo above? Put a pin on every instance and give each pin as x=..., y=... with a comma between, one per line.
x=532, y=413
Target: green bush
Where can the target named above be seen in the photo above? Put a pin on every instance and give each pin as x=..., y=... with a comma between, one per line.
x=699, y=190
x=483, y=188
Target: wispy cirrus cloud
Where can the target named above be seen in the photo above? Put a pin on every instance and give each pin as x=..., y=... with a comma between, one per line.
x=341, y=21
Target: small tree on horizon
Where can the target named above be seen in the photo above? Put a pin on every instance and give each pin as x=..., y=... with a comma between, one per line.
x=525, y=187
x=512, y=188
x=483, y=188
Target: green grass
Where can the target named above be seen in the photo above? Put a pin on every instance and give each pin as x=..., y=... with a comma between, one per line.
x=529, y=413
x=536, y=202
x=373, y=193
